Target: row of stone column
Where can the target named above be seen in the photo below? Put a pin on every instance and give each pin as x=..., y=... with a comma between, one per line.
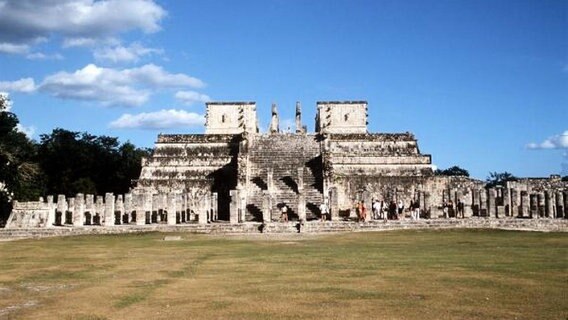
x=506, y=202
x=137, y=208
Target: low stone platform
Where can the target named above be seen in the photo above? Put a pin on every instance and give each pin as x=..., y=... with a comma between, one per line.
x=542, y=225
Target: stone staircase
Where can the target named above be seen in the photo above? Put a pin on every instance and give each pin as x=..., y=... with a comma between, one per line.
x=284, y=154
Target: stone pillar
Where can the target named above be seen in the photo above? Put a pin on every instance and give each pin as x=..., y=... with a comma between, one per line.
x=559, y=204
x=565, y=196
x=515, y=202
x=71, y=209
x=468, y=202
x=269, y=180
x=476, y=206
x=62, y=207
x=301, y=207
x=139, y=201
x=301, y=196
x=525, y=205
x=183, y=208
x=266, y=206
x=299, y=118
x=242, y=206
x=90, y=207
x=119, y=208
x=109, y=209
x=541, y=204
x=427, y=205
x=491, y=204
x=100, y=209
x=550, y=211
x=79, y=213
x=51, y=208
x=128, y=208
x=507, y=201
x=234, y=207
x=148, y=205
x=172, y=208
x=483, y=211
x=202, y=217
x=333, y=204
x=214, y=206
x=533, y=206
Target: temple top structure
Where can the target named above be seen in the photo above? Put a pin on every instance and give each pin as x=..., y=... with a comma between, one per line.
x=336, y=117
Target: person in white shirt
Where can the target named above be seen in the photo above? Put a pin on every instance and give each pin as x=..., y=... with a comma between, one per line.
x=324, y=211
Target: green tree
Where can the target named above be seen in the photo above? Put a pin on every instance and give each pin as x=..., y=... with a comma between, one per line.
x=76, y=162
x=20, y=176
x=499, y=179
x=452, y=171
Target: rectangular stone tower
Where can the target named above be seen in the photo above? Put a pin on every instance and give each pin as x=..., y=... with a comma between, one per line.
x=230, y=118
x=343, y=117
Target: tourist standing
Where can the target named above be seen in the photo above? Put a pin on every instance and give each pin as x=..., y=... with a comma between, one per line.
x=384, y=210
x=324, y=210
x=400, y=209
x=392, y=210
x=284, y=216
x=363, y=211
x=375, y=209
x=460, y=209
x=416, y=209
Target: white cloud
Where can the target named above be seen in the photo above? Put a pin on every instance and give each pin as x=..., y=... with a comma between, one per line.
x=42, y=56
x=191, y=97
x=14, y=48
x=559, y=141
x=111, y=87
x=28, y=131
x=132, y=53
x=90, y=42
x=159, y=120
x=23, y=85
x=24, y=21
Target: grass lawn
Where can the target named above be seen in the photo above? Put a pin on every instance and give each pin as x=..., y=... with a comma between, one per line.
x=450, y=274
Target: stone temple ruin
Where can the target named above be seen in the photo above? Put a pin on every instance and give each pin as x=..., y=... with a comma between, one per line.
x=235, y=174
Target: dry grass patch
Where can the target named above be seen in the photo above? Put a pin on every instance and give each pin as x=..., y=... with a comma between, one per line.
x=452, y=274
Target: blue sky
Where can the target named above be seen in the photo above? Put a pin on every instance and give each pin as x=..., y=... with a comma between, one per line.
x=482, y=84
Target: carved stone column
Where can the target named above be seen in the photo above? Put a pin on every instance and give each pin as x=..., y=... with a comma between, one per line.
x=119, y=209
x=79, y=213
x=266, y=206
x=491, y=204
x=128, y=208
x=525, y=205
x=90, y=208
x=234, y=207
x=301, y=196
x=559, y=204
x=172, y=209
x=533, y=206
x=109, y=209
x=550, y=211
x=62, y=207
